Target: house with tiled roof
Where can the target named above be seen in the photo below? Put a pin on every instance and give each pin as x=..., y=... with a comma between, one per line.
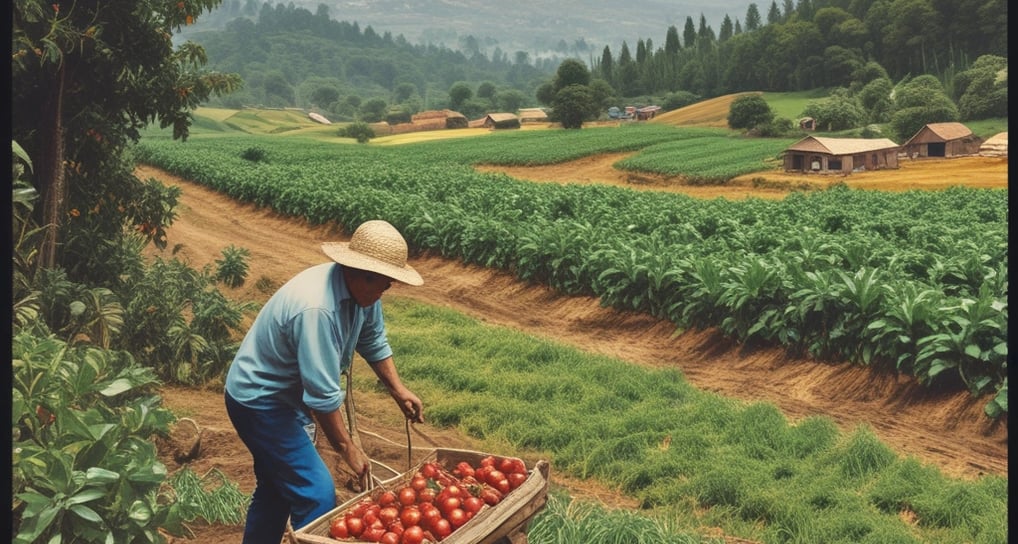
x=942, y=140
x=840, y=155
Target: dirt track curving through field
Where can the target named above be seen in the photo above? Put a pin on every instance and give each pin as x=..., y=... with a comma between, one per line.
x=945, y=429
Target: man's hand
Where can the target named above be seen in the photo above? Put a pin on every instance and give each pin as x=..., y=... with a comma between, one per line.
x=361, y=466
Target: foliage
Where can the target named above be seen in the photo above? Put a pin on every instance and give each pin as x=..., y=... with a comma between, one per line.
x=198, y=320
x=918, y=102
x=232, y=268
x=360, y=131
x=108, y=72
x=749, y=111
x=823, y=273
x=840, y=111
x=83, y=463
x=254, y=154
x=573, y=105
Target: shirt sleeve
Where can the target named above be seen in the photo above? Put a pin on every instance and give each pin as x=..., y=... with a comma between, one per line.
x=318, y=356
x=373, y=344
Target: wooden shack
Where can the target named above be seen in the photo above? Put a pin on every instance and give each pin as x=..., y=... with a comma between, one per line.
x=501, y=120
x=942, y=140
x=840, y=155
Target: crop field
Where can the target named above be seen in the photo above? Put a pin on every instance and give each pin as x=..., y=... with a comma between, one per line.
x=914, y=282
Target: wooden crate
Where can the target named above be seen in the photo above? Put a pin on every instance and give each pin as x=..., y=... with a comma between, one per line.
x=506, y=522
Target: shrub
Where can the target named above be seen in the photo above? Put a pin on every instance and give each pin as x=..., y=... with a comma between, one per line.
x=232, y=268
x=360, y=131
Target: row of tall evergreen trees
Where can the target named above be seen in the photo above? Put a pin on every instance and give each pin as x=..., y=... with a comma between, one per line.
x=797, y=45
x=810, y=44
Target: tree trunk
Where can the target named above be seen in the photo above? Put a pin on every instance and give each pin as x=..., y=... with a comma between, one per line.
x=52, y=180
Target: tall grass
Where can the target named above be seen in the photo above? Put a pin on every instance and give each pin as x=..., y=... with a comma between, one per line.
x=687, y=455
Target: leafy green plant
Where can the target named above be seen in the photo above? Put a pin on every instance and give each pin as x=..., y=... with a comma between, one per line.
x=84, y=467
x=254, y=154
x=232, y=268
x=360, y=131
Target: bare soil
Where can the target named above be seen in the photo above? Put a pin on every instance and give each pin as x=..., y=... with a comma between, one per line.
x=944, y=428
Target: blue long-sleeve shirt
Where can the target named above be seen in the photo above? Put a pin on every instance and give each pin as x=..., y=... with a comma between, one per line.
x=301, y=342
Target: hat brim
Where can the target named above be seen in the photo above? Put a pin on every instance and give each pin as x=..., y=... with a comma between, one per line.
x=342, y=254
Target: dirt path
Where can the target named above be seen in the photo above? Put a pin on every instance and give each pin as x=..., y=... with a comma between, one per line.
x=948, y=430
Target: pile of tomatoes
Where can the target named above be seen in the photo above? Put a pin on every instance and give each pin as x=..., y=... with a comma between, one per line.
x=432, y=504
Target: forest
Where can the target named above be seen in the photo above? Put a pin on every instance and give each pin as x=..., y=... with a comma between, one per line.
x=291, y=57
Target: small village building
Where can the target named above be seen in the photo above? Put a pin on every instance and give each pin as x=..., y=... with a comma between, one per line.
x=501, y=120
x=840, y=155
x=437, y=119
x=942, y=140
x=647, y=112
x=533, y=115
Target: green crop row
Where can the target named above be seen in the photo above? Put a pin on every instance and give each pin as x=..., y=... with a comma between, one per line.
x=915, y=282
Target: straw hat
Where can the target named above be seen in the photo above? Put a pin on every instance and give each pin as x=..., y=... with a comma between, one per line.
x=378, y=247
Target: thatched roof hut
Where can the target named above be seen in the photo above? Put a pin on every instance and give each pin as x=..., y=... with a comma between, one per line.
x=533, y=115
x=431, y=118
x=501, y=120
x=942, y=140
x=995, y=146
x=840, y=155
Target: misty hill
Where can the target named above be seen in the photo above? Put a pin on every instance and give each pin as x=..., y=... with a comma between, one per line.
x=538, y=27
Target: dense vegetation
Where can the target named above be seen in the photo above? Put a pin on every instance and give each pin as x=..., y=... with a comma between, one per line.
x=289, y=56
x=914, y=282
x=96, y=328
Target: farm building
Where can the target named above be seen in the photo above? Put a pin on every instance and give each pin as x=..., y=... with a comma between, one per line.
x=647, y=112
x=433, y=119
x=533, y=115
x=501, y=120
x=942, y=140
x=995, y=146
x=840, y=155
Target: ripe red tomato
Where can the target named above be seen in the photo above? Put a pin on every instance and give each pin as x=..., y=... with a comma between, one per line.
x=418, y=483
x=453, y=490
x=429, y=517
x=388, y=515
x=338, y=528
x=516, y=479
x=373, y=534
x=413, y=535
x=456, y=517
x=407, y=496
x=429, y=470
x=425, y=496
x=494, y=477
x=518, y=466
x=491, y=496
x=448, y=504
x=390, y=538
x=488, y=461
x=386, y=498
x=473, y=504
x=464, y=469
x=505, y=465
x=355, y=526
x=503, y=486
x=410, y=516
x=441, y=528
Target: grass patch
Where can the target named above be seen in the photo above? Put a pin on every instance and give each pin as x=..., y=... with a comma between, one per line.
x=704, y=459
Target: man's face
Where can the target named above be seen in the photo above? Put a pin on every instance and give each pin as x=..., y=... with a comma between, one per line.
x=367, y=287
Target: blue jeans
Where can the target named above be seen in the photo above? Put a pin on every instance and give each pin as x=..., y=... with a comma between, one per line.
x=292, y=481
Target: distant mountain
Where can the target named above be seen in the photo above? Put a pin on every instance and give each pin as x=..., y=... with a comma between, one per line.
x=534, y=26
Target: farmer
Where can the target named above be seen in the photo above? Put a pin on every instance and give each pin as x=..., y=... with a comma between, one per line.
x=288, y=368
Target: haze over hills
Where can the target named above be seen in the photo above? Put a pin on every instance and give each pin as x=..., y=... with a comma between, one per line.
x=534, y=26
